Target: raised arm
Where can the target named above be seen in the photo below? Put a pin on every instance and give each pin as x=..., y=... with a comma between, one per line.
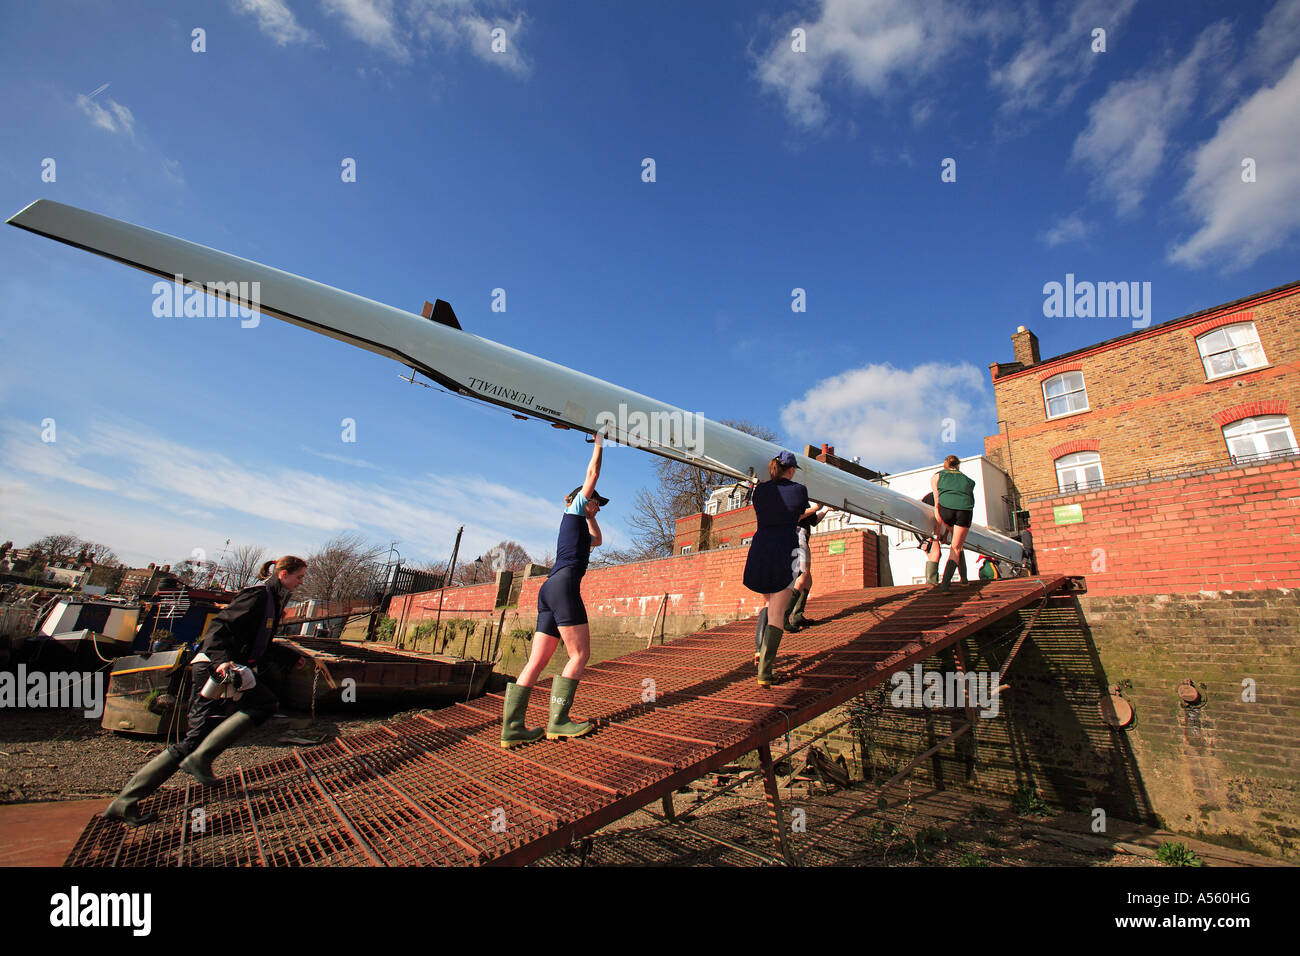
x=593, y=468
x=934, y=489
x=595, y=532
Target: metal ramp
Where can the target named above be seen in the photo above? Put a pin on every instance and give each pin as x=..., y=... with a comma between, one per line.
x=439, y=790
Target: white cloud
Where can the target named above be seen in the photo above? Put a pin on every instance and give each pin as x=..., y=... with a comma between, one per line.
x=1129, y=127
x=373, y=22
x=288, y=505
x=1277, y=42
x=107, y=114
x=341, y=459
x=894, y=418
x=1240, y=221
x=457, y=22
x=56, y=460
x=1057, y=52
x=1069, y=228
x=276, y=20
x=399, y=29
x=873, y=45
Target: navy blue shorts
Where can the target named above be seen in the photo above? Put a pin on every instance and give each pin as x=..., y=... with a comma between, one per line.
x=559, y=602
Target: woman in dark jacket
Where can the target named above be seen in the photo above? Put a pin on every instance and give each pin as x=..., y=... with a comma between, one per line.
x=236, y=639
x=772, y=564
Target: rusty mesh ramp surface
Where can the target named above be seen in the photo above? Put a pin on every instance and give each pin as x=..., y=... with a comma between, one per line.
x=439, y=789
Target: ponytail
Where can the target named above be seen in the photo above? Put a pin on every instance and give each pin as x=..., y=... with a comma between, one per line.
x=774, y=470
x=289, y=563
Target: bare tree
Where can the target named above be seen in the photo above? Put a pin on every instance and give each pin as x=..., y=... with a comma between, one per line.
x=506, y=556
x=195, y=574
x=683, y=490
x=241, y=566
x=58, y=545
x=101, y=554
x=346, y=566
x=610, y=557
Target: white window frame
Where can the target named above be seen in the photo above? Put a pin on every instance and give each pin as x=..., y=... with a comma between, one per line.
x=1067, y=394
x=1239, y=351
x=711, y=506
x=1256, y=429
x=686, y=549
x=1079, y=461
x=747, y=540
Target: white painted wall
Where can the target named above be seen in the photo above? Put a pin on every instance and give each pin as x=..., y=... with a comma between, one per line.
x=906, y=561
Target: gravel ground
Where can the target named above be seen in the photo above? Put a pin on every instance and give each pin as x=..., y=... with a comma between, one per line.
x=61, y=755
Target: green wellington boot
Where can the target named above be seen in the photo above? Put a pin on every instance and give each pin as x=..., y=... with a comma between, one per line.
x=771, y=641
x=758, y=635
x=961, y=568
x=932, y=572
x=146, y=780
x=948, y=569
x=794, y=618
x=560, y=726
x=513, y=730
x=199, y=764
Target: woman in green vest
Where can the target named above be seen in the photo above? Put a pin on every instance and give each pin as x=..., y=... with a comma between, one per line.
x=954, y=503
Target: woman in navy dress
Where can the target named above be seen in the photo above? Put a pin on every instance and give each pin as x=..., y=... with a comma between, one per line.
x=772, y=564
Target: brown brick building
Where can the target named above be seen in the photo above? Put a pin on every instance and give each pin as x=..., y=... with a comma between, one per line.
x=1203, y=391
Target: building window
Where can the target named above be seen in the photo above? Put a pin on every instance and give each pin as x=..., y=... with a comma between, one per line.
x=1079, y=472
x=711, y=506
x=1231, y=349
x=747, y=540
x=686, y=549
x=1064, y=394
x=1254, y=439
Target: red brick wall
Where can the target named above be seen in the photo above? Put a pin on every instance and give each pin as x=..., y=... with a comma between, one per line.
x=691, y=531
x=1150, y=405
x=1234, y=528
x=473, y=601
x=732, y=527
x=708, y=584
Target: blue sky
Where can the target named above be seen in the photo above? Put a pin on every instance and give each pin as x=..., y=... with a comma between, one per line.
x=522, y=170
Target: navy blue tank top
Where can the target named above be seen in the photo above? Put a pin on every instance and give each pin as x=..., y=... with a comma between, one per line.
x=573, y=547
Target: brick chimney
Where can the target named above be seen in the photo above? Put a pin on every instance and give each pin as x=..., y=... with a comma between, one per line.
x=1025, y=344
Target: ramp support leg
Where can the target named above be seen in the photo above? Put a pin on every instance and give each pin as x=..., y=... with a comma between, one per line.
x=774, y=802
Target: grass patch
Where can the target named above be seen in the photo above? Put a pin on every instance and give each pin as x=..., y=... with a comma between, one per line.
x=1177, y=854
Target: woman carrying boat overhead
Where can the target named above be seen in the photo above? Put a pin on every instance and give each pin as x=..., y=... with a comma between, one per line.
x=561, y=616
x=772, y=564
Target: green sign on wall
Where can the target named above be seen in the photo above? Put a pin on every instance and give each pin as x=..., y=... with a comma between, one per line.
x=1068, y=514
x=837, y=547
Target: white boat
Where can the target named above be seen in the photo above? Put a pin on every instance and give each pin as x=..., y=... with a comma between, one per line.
x=480, y=368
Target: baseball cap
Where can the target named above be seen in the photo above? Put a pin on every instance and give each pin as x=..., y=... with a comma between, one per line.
x=786, y=460
x=595, y=496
